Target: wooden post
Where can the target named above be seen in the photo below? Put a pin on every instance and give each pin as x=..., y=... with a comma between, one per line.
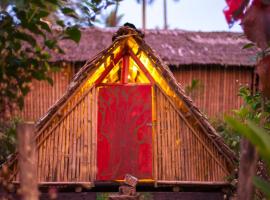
x=27, y=161
x=247, y=170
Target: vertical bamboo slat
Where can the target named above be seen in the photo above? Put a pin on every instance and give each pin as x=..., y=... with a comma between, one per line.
x=220, y=97
x=154, y=133
x=180, y=154
x=67, y=152
x=196, y=158
x=94, y=135
x=89, y=134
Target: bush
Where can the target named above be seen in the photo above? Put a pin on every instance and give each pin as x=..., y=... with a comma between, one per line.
x=8, y=138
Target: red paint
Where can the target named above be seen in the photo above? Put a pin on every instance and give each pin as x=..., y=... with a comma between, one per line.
x=124, y=132
x=124, y=78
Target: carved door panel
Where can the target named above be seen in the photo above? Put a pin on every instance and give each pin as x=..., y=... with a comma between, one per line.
x=124, y=140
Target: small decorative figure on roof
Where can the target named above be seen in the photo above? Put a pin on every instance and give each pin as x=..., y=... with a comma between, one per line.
x=127, y=24
x=127, y=29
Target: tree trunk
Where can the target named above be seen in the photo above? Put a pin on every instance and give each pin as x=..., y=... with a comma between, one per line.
x=27, y=162
x=143, y=14
x=247, y=170
x=165, y=14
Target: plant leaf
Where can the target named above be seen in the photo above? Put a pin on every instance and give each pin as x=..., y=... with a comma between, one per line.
x=69, y=12
x=73, y=33
x=262, y=185
x=249, y=45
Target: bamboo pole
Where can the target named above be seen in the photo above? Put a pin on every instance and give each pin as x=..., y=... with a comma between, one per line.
x=60, y=148
x=162, y=139
x=202, y=183
x=154, y=135
x=27, y=161
x=83, y=173
x=94, y=133
x=159, y=161
x=169, y=142
x=88, y=134
x=178, y=145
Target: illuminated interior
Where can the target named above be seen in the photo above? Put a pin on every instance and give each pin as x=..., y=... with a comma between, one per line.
x=153, y=71
x=135, y=74
x=98, y=70
x=114, y=75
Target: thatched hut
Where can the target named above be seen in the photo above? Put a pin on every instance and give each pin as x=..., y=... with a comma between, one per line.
x=125, y=113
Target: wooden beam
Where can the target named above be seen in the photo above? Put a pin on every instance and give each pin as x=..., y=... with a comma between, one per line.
x=199, y=183
x=125, y=69
x=109, y=68
x=27, y=161
x=142, y=67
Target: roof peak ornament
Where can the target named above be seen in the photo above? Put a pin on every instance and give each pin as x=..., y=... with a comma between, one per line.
x=126, y=30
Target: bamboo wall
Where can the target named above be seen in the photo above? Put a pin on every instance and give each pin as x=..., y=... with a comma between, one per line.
x=66, y=149
x=220, y=86
x=218, y=94
x=182, y=152
x=42, y=95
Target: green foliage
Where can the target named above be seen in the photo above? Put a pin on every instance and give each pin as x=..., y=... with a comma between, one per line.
x=256, y=135
x=252, y=121
x=8, y=138
x=27, y=40
x=262, y=185
x=255, y=107
x=231, y=138
x=260, y=138
x=248, y=45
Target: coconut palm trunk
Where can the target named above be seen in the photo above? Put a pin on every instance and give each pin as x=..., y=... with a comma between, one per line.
x=144, y=14
x=165, y=14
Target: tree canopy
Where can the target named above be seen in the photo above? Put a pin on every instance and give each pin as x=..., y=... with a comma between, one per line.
x=27, y=39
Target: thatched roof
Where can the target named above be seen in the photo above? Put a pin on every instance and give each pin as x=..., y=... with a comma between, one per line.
x=175, y=47
x=198, y=115
x=83, y=73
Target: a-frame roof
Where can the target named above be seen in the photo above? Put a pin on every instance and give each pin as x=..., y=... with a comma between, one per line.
x=121, y=34
x=119, y=37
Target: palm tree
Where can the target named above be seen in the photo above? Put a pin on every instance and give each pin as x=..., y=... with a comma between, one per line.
x=144, y=11
x=165, y=13
x=113, y=19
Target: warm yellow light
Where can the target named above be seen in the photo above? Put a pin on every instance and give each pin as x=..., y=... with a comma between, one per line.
x=153, y=71
x=93, y=76
x=136, y=74
x=133, y=45
x=134, y=68
x=114, y=74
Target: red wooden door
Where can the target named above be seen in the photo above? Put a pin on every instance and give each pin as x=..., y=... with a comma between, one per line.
x=124, y=143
